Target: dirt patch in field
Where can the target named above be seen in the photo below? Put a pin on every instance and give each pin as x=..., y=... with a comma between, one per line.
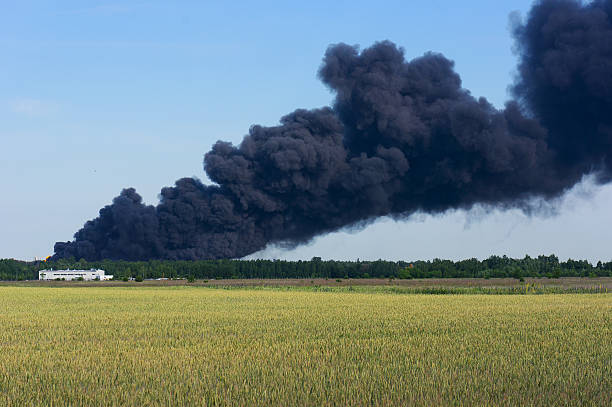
x=565, y=282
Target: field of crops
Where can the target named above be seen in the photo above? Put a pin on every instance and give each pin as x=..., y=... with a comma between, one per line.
x=207, y=346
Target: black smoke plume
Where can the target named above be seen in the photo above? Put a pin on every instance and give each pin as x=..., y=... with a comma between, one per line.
x=402, y=136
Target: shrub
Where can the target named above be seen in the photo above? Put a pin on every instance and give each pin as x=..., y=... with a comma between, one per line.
x=404, y=274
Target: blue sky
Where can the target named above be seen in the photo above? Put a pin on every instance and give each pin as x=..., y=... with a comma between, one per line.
x=101, y=95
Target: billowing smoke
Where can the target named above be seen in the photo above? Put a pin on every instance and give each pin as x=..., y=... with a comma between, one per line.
x=402, y=136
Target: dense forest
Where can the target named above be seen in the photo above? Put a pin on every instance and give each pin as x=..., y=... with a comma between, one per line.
x=493, y=267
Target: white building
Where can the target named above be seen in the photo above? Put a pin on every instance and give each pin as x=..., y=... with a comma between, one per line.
x=88, y=275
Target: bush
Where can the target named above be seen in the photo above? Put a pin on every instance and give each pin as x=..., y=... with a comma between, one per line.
x=124, y=278
x=139, y=279
x=190, y=279
x=404, y=274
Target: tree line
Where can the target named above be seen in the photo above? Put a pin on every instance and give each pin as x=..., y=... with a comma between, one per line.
x=493, y=267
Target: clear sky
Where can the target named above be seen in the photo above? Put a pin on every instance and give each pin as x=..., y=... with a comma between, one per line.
x=96, y=96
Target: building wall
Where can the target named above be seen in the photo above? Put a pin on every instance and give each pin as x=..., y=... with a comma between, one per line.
x=73, y=275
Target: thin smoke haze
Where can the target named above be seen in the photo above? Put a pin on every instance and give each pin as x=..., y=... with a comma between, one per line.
x=402, y=136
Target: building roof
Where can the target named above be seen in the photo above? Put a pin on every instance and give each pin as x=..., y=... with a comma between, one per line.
x=71, y=271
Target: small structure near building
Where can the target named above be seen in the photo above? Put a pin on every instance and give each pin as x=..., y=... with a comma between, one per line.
x=88, y=275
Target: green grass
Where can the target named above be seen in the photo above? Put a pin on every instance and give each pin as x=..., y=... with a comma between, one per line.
x=524, y=289
x=205, y=346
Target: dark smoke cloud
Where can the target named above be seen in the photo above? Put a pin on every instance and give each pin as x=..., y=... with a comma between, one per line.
x=565, y=81
x=402, y=136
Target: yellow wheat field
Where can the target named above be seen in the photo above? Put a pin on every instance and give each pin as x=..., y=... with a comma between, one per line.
x=203, y=346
